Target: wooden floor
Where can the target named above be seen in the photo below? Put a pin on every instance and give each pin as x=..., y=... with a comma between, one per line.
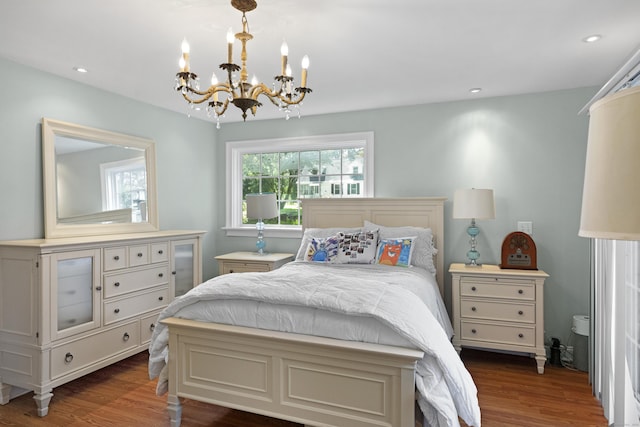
x=510, y=391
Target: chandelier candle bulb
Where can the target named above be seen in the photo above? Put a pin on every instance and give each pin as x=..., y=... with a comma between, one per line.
x=305, y=66
x=184, y=62
x=284, y=51
x=214, y=82
x=230, y=46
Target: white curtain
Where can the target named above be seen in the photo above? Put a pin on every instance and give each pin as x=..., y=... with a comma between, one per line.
x=615, y=347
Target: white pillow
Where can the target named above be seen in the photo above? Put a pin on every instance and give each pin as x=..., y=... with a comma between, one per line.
x=358, y=248
x=423, y=246
x=310, y=233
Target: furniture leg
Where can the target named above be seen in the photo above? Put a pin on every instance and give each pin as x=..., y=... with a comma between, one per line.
x=175, y=410
x=42, y=401
x=541, y=360
x=5, y=392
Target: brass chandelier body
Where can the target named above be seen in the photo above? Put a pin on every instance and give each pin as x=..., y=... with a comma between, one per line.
x=240, y=92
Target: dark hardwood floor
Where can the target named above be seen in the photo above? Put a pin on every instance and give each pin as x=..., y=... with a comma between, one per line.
x=510, y=391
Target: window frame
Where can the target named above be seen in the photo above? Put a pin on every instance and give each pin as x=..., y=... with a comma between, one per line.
x=234, y=154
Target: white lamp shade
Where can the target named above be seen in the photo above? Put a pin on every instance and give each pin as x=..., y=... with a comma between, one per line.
x=611, y=193
x=474, y=203
x=262, y=206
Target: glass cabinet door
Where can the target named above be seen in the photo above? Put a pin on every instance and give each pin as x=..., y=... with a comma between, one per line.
x=185, y=266
x=75, y=292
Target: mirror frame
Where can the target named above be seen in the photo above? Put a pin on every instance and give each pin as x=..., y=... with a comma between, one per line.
x=54, y=229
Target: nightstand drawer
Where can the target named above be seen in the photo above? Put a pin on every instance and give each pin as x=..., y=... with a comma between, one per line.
x=496, y=333
x=492, y=310
x=243, y=267
x=498, y=288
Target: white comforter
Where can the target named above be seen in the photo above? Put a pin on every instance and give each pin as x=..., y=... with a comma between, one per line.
x=380, y=304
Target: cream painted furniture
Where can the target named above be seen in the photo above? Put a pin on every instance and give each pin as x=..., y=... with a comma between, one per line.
x=241, y=262
x=70, y=306
x=306, y=379
x=499, y=309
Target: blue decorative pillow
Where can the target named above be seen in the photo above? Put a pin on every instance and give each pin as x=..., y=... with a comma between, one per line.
x=322, y=249
x=395, y=252
x=358, y=248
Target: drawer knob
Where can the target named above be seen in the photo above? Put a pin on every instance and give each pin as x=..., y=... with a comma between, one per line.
x=160, y=252
x=98, y=288
x=473, y=331
x=160, y=298
x=230, y=271
x=473, y=288
x=520, y=336
x=68, y=358
x=116, y=284
x=116, y=258
x=160, y=275
x=174, y=273
x=139, y=254
x=152, y=327
x=473, y=309
x=117, y=310
x=520, y=312
x=520, y=291
x=126, y=336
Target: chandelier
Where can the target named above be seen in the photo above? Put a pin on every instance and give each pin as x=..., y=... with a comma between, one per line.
x=239, y=91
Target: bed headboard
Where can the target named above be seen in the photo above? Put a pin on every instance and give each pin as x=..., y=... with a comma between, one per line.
x=392, y=212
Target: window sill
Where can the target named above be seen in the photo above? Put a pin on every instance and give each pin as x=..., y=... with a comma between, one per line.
x=279, y=232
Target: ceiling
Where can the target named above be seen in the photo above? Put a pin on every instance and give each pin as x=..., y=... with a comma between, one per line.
x=364, y=54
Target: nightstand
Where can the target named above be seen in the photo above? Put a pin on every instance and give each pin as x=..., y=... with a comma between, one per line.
x=242, y=262
x=499, y=309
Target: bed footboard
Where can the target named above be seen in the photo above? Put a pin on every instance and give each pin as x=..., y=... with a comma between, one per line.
x=305, y=379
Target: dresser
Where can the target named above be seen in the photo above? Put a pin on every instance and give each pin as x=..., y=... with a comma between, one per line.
x=70, y=306
x=499, y=309
x=242, y=262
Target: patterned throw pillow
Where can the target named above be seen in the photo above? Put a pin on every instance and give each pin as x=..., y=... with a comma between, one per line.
x=358, y=248
x=322, y=249
x=395, y=252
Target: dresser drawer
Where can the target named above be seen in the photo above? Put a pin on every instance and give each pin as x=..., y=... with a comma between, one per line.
x=114, y=258
x=496, y=333
x=77, y=354
x=147, y=325
x=159, y=252
x=138, y=255
x=124, y=308
x=243, y=267
x=498, y=288
x=492, y=310
x=130, y=281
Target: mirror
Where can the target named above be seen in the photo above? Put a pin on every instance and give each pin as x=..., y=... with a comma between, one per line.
x=96, y=182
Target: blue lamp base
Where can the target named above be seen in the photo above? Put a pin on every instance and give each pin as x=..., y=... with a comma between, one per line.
x=472, y=254
x=261, y=244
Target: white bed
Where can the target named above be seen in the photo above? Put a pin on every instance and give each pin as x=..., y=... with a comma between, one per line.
x=322, y=380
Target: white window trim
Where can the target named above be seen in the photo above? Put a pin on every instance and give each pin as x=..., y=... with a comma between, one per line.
x=236, y=149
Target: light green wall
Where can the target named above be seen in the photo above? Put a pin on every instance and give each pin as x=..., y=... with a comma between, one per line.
x=184, y=151
x=530, y=149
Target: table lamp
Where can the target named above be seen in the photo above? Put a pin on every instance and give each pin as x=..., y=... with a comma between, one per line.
x=473, y=204
x=261, y=206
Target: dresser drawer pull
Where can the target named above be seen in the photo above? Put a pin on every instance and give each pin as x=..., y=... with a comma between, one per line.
x=473, y=331
x=473, y=309
x=520, y=335
x=160, y=298
x=68, y=358
x=117, y=310
x=98, y=288
x=116, y=258
x=116, y=284
x=174, y=272
x=160, y=275
x=152, y=327
x=139, y=254
x=473, y=288
x=126, y=336
x=520, y=312
x=160, y=252
x=230, y=271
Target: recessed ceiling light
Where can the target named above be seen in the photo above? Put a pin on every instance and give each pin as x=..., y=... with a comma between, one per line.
x=592, y=38
x=81, y=69
x=475, y=90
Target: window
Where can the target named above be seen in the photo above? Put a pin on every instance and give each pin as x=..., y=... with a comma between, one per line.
x=124, y=186
x=295, y=169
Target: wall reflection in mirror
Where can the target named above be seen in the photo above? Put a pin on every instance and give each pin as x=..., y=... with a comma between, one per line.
x=97, y=182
